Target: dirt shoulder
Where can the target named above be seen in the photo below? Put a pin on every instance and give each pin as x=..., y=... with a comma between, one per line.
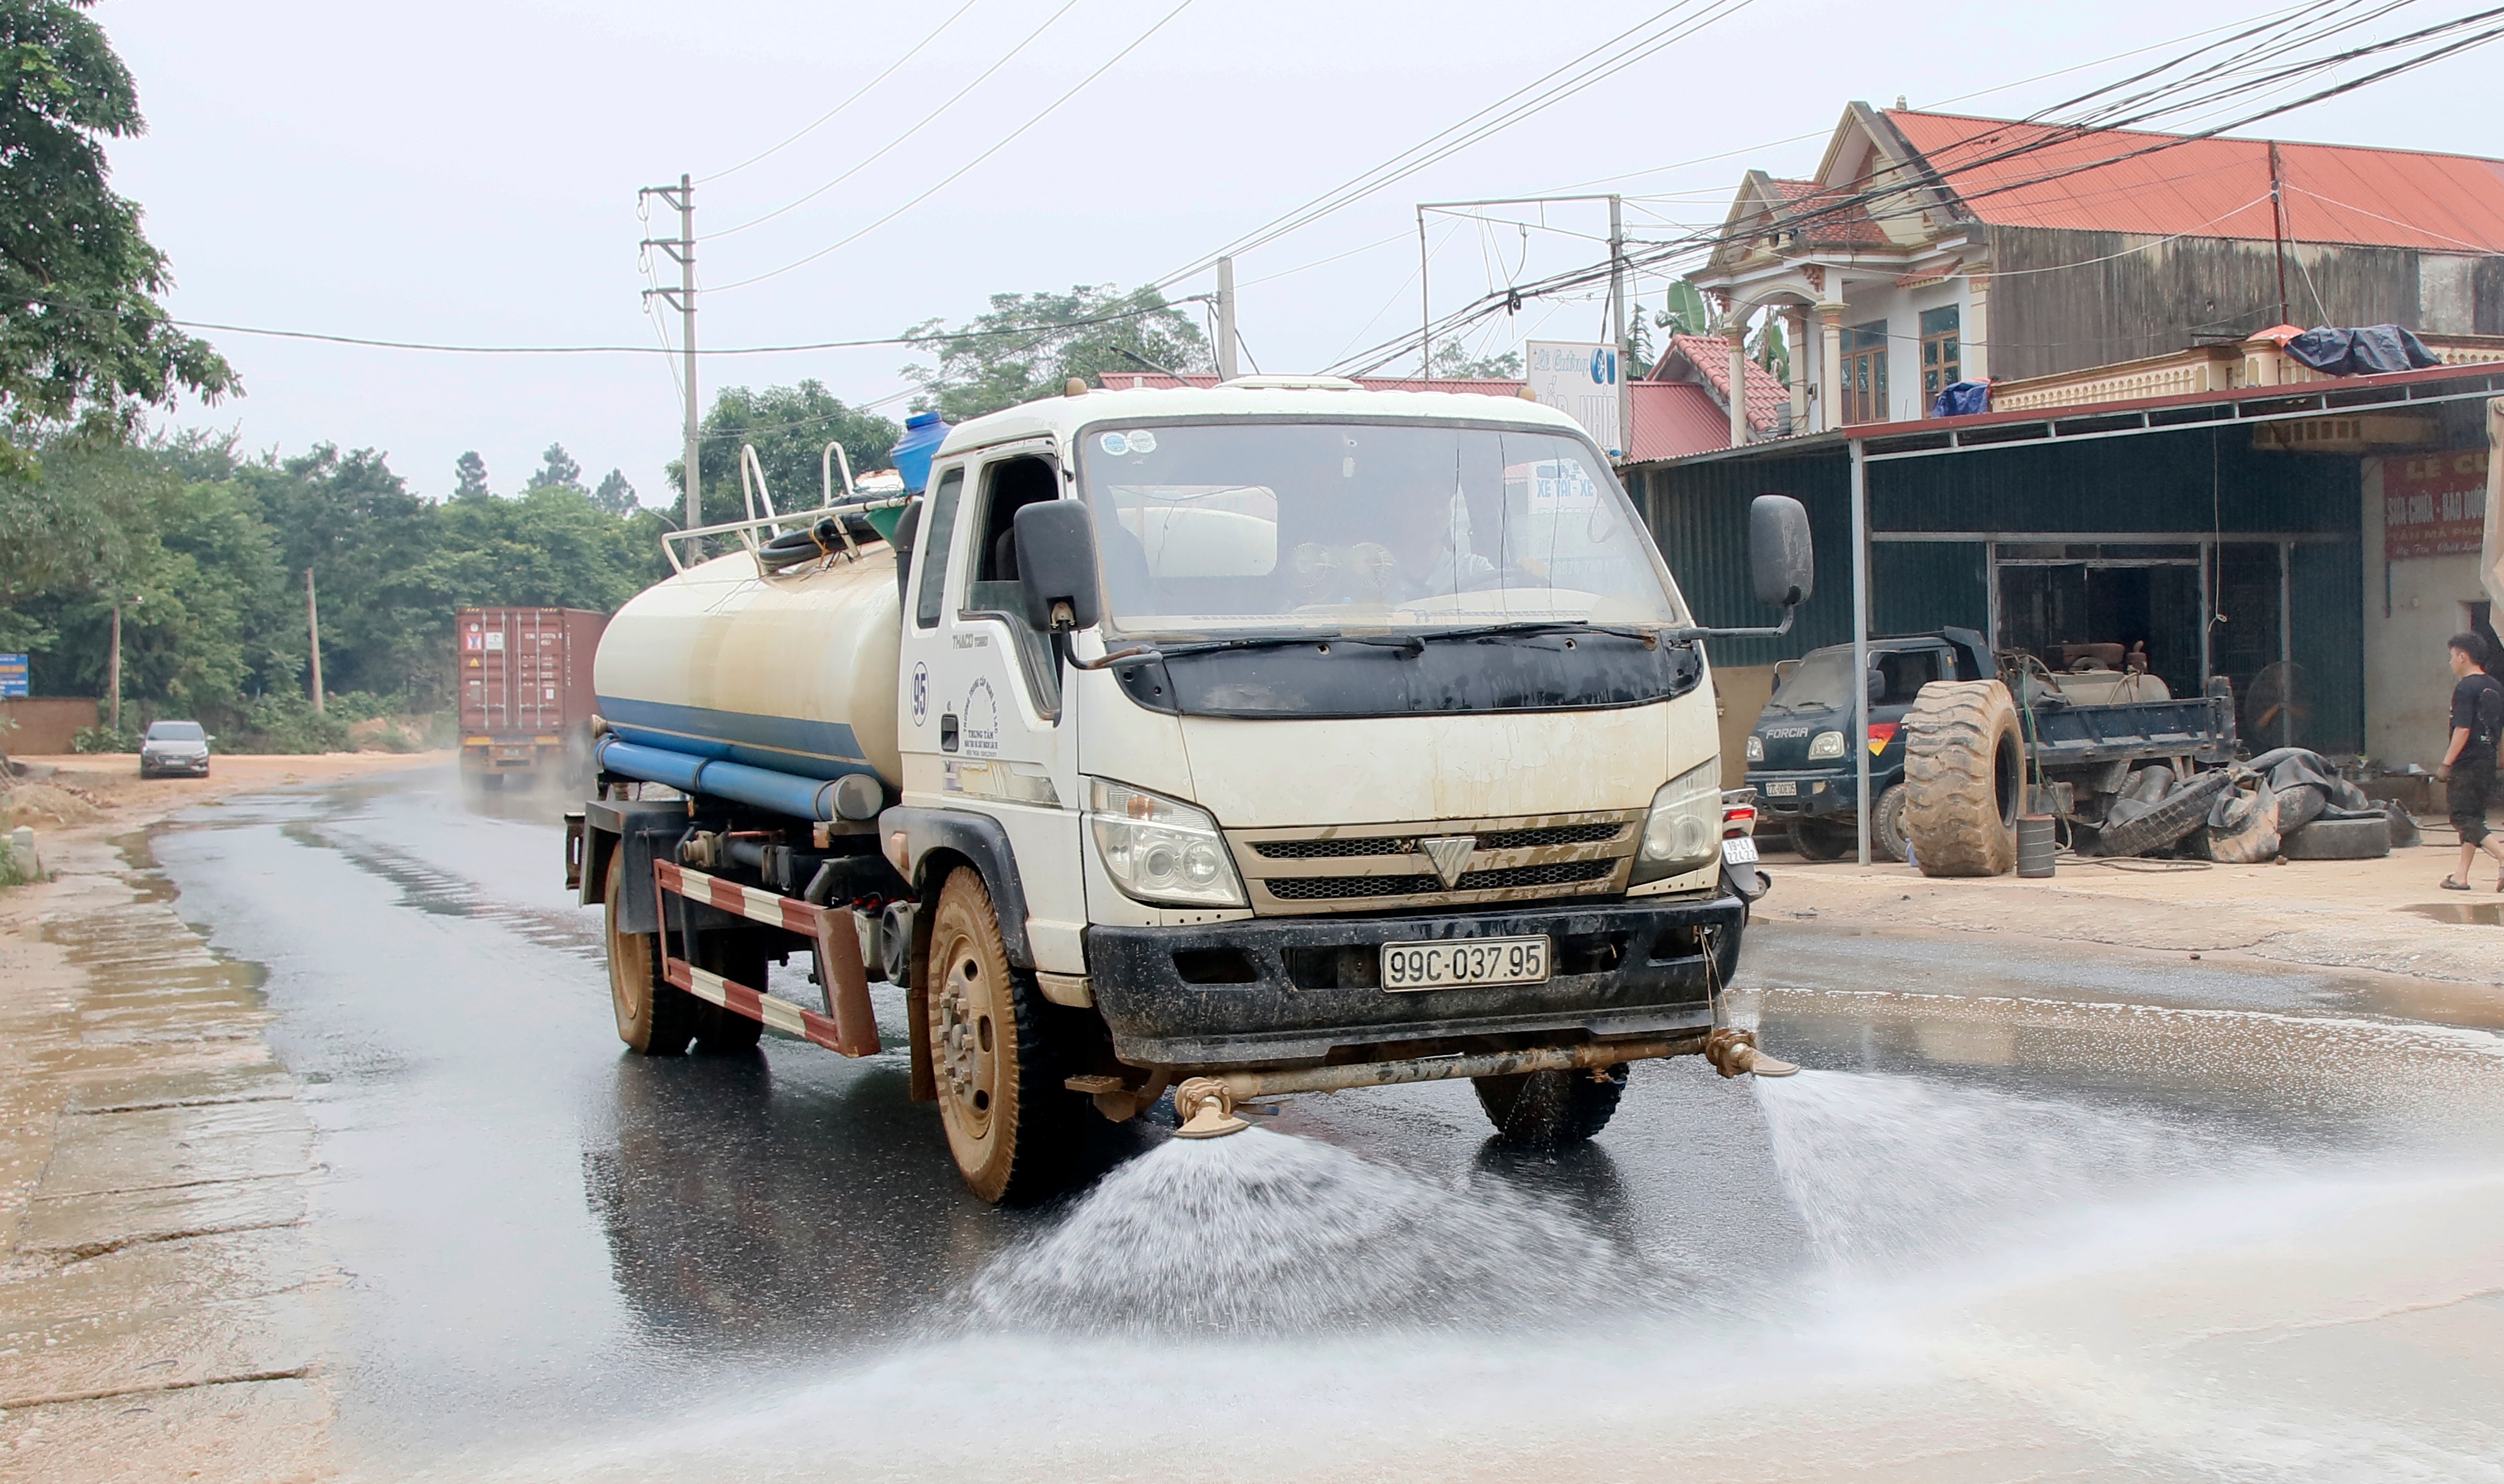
x=161, y=1311
x=2384, y=915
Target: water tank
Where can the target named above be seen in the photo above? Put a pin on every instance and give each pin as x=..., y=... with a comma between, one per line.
x=796, y=675
x=923, y=433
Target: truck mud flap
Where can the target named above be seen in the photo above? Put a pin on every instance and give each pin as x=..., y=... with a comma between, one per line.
x=849, y=1026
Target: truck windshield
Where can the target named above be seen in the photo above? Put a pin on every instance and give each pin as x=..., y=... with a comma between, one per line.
x=1823, y=683
x=1256, y=527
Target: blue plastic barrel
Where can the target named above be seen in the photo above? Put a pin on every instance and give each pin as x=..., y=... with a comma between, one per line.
x=923, y=433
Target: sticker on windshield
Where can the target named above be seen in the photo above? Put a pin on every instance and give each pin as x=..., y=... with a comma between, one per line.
x=1143, y=441
x=1114, y=443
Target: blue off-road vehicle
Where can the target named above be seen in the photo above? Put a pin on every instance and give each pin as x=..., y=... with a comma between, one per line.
x=1799, y=756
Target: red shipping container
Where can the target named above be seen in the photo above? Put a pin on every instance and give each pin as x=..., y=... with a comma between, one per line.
x=524, y=679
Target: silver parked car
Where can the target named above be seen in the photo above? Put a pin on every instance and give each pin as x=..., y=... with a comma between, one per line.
x=174, y=747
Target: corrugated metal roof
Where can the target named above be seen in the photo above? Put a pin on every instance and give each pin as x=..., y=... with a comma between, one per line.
x=1673, y=419
x=2214, y=188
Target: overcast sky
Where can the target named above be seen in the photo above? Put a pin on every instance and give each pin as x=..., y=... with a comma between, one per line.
x=467, y=171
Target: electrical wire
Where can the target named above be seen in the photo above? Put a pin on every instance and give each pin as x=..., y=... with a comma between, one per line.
x=1661, y=29
x=951, y=179
x=889, y=148
x=863, y=91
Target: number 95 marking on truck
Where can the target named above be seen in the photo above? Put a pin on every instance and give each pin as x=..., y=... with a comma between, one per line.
x=1453, y=964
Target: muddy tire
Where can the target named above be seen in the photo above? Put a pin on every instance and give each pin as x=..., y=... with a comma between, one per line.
x=1887, y=838
x=2340, y=840
x=1964, y=778
x=1822, y=841
x=2300, y=806
x=1010, y=1122
x=654, y=1017
x=1548, y=1110
x=722, y=1031
x=2177, y=814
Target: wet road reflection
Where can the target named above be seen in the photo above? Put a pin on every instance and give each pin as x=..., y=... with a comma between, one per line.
x=2011, y=1223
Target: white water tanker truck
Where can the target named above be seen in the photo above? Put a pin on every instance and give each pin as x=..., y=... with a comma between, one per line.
x=1272, y=738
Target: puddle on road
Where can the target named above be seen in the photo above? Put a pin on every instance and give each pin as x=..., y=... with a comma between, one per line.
x=2481, y=913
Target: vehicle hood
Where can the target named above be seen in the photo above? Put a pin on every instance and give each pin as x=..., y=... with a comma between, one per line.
x=1272, y=772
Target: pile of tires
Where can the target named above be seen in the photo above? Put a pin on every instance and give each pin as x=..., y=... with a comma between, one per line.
x=2286, y=804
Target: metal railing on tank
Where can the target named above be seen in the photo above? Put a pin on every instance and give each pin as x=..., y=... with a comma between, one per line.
x=787, y=545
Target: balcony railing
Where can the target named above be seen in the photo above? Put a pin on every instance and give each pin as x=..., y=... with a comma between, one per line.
x=2203, y=368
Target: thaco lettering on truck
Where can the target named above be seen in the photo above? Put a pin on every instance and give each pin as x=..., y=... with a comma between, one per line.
x=1274, y=738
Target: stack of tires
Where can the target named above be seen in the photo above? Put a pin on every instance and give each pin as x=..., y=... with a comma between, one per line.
x=1965, y=785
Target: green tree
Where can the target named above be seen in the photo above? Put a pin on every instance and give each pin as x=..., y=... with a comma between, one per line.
x=1452, y=361
x=469, y=477
x=552, y=547
x=1689, y=312
x=1770, y=349
x=616, y=496
x=1029, y=345
x=790, y=428
x=79, y=325
x=557, y=470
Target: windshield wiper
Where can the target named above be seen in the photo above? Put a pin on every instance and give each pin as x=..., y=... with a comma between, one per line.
x=1410, y=644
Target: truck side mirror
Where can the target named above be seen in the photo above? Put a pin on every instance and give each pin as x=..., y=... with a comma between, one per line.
x=1056, y=555
x=1779, y=558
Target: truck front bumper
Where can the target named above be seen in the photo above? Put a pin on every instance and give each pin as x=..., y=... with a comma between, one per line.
x=1266, y=992
x=1814, y=795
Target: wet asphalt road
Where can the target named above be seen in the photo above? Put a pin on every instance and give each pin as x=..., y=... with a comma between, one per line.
x=562, y=1262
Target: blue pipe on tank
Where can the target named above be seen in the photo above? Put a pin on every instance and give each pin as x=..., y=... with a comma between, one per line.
x=781, y=792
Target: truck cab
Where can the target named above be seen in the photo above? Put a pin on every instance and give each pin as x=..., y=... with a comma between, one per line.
x=1799, y=755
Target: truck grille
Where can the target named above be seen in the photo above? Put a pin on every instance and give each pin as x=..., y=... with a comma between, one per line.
x=1385, y=866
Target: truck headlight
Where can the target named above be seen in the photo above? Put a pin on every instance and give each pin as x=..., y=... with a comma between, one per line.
x=1825, y=744
x=1160, y=850
x=1755, y=748
x=1684, y=827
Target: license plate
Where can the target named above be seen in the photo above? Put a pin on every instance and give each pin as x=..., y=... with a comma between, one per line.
x=1738, y=850
x=1455, y=964
x=1783, y=788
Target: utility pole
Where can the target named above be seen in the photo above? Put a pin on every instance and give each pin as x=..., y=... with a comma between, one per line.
x=683, y=299
x=1425, y=307
x=113, y=671
x=313, y=631
x=2277, y=228
x=1617, y=324
x=1226, y=319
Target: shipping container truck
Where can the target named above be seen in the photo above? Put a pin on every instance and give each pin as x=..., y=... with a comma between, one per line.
x=525, y=689
x=1274, y=738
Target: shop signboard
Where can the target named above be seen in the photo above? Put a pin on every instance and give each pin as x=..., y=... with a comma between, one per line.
x=2434, y=504
x=13, y=676
x=1580, y=379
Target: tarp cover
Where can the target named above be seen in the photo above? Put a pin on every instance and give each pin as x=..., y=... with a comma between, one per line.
x=1961, y=399
x=2364, y=351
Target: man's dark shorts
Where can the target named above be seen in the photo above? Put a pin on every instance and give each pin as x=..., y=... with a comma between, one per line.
x=2466, y=797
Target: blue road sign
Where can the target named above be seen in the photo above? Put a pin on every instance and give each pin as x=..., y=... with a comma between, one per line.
x=13, y=674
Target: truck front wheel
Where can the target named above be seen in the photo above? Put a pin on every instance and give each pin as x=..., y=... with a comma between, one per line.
x=654, y=1017
x=1011, y=1124
x=1545, y=1109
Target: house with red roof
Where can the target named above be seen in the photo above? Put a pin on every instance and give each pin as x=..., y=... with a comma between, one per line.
x=1928, y=249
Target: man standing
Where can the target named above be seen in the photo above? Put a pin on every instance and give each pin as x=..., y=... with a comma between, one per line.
x=2468, y=768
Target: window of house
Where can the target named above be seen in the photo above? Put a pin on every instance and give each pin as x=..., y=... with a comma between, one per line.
x=1864, y=373
x=1940, y=360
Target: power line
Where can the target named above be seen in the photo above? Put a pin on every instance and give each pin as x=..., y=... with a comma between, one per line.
x=859, y=94
x=1613, y=56
x=1012, y=135
x=925, y=119
x=665, y=349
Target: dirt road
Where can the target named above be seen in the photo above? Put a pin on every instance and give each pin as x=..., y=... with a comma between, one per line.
x=160, y=1303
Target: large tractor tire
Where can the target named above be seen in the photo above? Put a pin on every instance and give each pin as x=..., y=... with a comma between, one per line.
x=655, y=1017
x=1964, y=778
x=2177, y=814
x=1548, y=1110
x=1011, y=1123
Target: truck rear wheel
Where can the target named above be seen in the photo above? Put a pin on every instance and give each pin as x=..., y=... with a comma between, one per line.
x=1545, y=1109
x=654, y=1017
x=1887, y=826
x=1011, y=1124
x=1964, y=778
